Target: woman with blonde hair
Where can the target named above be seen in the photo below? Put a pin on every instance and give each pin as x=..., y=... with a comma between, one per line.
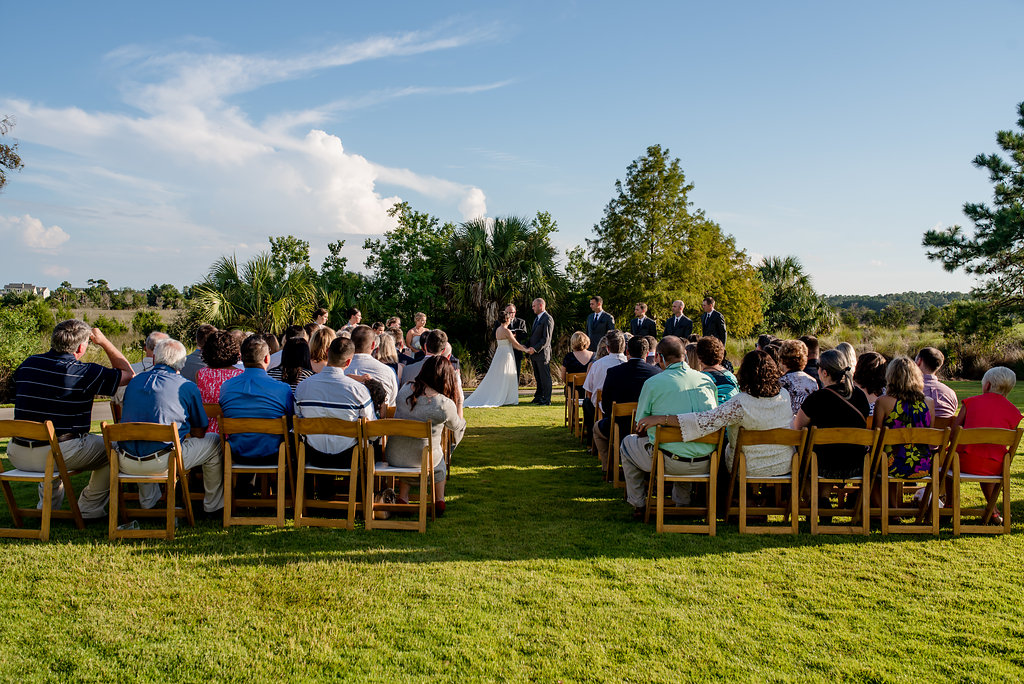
x=904, y=405
x=387, y=352
x=412, y=337
x=579, y=355
x=318, y=346
x=846, y=349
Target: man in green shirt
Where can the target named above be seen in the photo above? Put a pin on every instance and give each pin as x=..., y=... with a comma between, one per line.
x=677, y=389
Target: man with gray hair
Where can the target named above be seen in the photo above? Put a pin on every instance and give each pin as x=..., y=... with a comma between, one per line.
x=57, y=386
x=144, y=365
x=162, y=396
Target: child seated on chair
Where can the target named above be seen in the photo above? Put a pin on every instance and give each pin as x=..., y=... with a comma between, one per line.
x=990, y=409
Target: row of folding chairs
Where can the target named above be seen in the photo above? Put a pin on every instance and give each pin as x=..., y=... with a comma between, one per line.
x=289, y=488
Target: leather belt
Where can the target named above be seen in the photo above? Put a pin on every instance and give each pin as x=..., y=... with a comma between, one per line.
x=147, y=457
x=677, y=457
x=36, y=443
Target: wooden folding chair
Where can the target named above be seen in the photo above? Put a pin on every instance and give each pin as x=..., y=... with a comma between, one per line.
x=780, y=437
x=1009, y=440
x=663, y=435
x=148, y=432
x=613, y=473
x=279, y=471
x=933, y=437
x=861, y=483
x=389, y=411
x=415, y=429
x=340, y=428
x=53, y=470
x=575, y=381
x=598, y=414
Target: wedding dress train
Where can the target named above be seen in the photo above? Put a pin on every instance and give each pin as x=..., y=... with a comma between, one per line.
x=500, y=387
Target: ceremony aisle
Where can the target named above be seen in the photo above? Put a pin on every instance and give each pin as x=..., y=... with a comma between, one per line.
x=534, y=572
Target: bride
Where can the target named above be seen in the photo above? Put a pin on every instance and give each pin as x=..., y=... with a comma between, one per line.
x=501, y=384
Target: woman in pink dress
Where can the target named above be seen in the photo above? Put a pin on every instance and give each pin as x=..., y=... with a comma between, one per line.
x=220, y=353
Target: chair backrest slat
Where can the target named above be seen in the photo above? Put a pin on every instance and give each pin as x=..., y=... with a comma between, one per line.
x=146, y=432
x=327, y=426
x=777, y=436
x=621, y=410
x=26, y=429
x=914, y=435
x=268, y=426
x=852, y=436
x=396, y=427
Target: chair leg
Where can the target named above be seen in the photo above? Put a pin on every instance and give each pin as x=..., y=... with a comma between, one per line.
x=815, y=488
x=44, y=518
x=11, y=503
x=115, y=500
x=300, y=487
x=743, y=501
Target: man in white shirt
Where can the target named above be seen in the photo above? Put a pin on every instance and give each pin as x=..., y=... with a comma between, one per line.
x=598, y=370
x=363, y=363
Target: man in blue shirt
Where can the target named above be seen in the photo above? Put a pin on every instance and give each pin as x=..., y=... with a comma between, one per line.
x=57, y=386
x=163, y=396
x=254, y=394
x=677, y=389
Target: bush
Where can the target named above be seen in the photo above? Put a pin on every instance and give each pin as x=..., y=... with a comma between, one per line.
x=20, y=340
x=109, y=326
x=145, y=322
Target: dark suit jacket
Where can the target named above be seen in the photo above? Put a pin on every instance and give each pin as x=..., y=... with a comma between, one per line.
x=623, y=384
x=648, y=327
x=713, y=324
x=682, y=329
x=540, y=337
x=599, y=325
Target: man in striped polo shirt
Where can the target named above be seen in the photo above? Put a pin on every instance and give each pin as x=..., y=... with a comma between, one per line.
x=57, y=386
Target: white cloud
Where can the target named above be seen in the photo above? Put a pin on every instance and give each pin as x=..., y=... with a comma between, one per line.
x=877, y=264
x=33, y=233
x=55, y=271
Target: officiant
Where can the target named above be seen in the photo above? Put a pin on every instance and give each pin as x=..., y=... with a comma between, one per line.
x=517, y=326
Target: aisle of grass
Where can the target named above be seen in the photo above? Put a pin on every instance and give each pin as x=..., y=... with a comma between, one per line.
x=533, y=573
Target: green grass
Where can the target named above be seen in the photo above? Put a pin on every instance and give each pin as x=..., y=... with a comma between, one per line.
x=534, y=572
x=971, y=388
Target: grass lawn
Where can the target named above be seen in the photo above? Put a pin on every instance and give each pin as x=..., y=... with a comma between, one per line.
x=533, y=573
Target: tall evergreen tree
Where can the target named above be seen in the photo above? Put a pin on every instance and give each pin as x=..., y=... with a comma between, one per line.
x=652, y=246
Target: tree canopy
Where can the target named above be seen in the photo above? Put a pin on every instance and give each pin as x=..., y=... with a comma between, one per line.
x=9, y=158
x=995, y=251
x=790, y=301
x=652, y=246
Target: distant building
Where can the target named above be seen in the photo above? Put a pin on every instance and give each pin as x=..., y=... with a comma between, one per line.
x=43, y=292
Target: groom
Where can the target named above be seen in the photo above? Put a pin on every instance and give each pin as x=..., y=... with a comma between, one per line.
x=540, y=352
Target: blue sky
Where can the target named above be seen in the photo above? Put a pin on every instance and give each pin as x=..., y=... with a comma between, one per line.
x=156, y=138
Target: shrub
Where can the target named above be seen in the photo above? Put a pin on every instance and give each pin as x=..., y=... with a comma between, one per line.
x=146, y=321
x=109, y=326
x=20, y=340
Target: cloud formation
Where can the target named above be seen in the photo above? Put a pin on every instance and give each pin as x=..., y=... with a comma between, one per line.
x=33, y=234
x=192, y=174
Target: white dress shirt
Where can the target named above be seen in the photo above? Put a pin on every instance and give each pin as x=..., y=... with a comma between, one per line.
x=364, y=364
x=598, y=371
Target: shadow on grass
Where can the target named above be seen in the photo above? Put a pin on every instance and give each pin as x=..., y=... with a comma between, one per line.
x=518, y=492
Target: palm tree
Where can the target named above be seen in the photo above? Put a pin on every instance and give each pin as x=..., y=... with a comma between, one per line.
x=791, y=302
x=256, y=296
x=493, y=262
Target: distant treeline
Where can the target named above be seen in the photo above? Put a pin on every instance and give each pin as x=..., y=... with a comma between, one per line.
x=876, y=303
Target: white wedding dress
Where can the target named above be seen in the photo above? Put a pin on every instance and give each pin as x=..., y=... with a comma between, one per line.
x=500, y=386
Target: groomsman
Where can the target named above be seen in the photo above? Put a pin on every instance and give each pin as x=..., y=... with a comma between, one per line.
x=517, y=326
x=678, y=324
x=599, y=323
x=712, y=322
x=642, y=325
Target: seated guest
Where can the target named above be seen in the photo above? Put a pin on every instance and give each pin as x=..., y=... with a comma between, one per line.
x=412, y=337
x=295, y=365
x=990, y=409
x=600, y=352
x=616, y=344
x=905, y=405
x=773, y=349
x=711, y=351
x=447, y=353
x=57, y=386
x=273, y=344
x=362, y=363
x=432, y=396
x=642, y=325
x=331, y=393
x=194, y=361
x=762, y=404
x=763, y=341
x=930, y=360
x=404, y=357
x=254, y=394
x=622, y=384
x=813, y=351
x=870, y=377
x=678, y=388
x=800, y=385
x=354, y=317
x=386, y=352
x=692, y=360
x=144, y=365
x=652, y=344
x=221, y=354
x=839, y=404
x=318, y=345
x=163, y=396
x=434, y=342
x=291, y=332
x=579, y=355
x=847, y=350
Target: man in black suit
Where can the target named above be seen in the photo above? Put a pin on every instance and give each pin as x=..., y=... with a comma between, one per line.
x=678, y=324
x=540, y=352
x=599, y=323
x=712, y=322
x=517, y=326
x=642, y=325
x=622, y=384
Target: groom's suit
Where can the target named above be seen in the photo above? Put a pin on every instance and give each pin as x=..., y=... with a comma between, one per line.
x=540, y=340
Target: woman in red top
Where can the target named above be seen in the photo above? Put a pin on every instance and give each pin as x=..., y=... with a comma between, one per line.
x=990, y=409
x=220, y=353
